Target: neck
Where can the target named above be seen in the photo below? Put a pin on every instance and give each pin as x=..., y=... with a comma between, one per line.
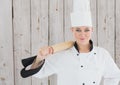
x=84, y=48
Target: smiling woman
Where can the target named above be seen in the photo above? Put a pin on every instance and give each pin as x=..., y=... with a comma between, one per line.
x=82, y=63
x=82, y=34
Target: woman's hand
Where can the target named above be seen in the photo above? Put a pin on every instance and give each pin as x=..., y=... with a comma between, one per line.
x=44, y=52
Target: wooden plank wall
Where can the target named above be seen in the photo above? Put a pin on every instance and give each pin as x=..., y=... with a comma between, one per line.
x=27, y=25
x=39, y=31
x=6, y=43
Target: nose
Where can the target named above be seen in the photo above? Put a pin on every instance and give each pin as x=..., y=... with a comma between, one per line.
x=82, y=33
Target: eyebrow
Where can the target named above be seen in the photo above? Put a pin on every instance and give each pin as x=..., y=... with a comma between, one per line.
x=79, y=27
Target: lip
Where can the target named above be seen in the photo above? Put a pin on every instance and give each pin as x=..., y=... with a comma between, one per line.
x=82, y=38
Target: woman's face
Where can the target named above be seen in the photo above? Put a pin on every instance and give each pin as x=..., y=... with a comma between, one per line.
x=82, y=34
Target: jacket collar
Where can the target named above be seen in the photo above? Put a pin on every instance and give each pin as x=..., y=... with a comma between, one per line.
x=91, y=46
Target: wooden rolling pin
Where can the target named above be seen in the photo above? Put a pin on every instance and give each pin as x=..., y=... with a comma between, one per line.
x=59, y=47
x=62, y=46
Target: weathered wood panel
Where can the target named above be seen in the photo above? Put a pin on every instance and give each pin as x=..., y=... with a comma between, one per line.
x=21, y=26
x=68, y=4
x=39, y=31
x=106, y=25
x=117, y=32
x=56, y=32
x=93, y=5
x=6, y=43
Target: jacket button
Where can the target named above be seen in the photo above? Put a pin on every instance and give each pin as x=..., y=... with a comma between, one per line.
x=83, y=84
x=94, y=82
x=94, y=53
x=77, y=54
x=81, y=66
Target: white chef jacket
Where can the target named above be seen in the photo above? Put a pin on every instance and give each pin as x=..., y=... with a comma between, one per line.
x=73, y=68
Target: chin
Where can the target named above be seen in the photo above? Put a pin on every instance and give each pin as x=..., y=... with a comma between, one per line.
x=83, y=42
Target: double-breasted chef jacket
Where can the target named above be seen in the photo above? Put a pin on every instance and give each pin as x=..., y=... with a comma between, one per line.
x=75, y=68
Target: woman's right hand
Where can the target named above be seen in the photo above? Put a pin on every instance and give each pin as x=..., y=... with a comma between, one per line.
x=44, y=52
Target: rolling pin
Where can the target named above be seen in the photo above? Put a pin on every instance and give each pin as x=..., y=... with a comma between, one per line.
x=62, y=46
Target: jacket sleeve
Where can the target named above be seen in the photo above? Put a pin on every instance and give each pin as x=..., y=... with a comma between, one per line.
x=26, y=62
x=44, y=70
x=49, y=67
x=111, y=71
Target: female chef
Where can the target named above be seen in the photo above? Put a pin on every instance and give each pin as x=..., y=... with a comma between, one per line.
x=82, y=64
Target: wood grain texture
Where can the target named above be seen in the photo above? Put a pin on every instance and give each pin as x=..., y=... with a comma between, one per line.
x=21, y=25
x=93, y=5
x=39, y=31
x=68, y=9
x=6, y=43
x=56, y=32
x=106, y=25
x=117, y=33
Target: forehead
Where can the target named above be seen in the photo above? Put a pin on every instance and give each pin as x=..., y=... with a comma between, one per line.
x=82, y=27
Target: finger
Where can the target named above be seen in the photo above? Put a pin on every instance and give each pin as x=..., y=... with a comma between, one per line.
x=41, y=53
x=39, y=57
x=52, y=50
x=49, y=50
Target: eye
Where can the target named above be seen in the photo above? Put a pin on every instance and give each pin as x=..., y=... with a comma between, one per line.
x=78, y=30
x=87, y=30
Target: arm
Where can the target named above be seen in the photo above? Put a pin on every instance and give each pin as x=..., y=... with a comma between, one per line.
x=50, y=50
x=39, y=60
x=43, y=52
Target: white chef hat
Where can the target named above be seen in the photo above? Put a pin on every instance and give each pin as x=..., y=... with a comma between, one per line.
x=81, y=15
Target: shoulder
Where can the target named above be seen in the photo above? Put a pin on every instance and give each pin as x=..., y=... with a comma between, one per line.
x=101, y=49
x=104, y=53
